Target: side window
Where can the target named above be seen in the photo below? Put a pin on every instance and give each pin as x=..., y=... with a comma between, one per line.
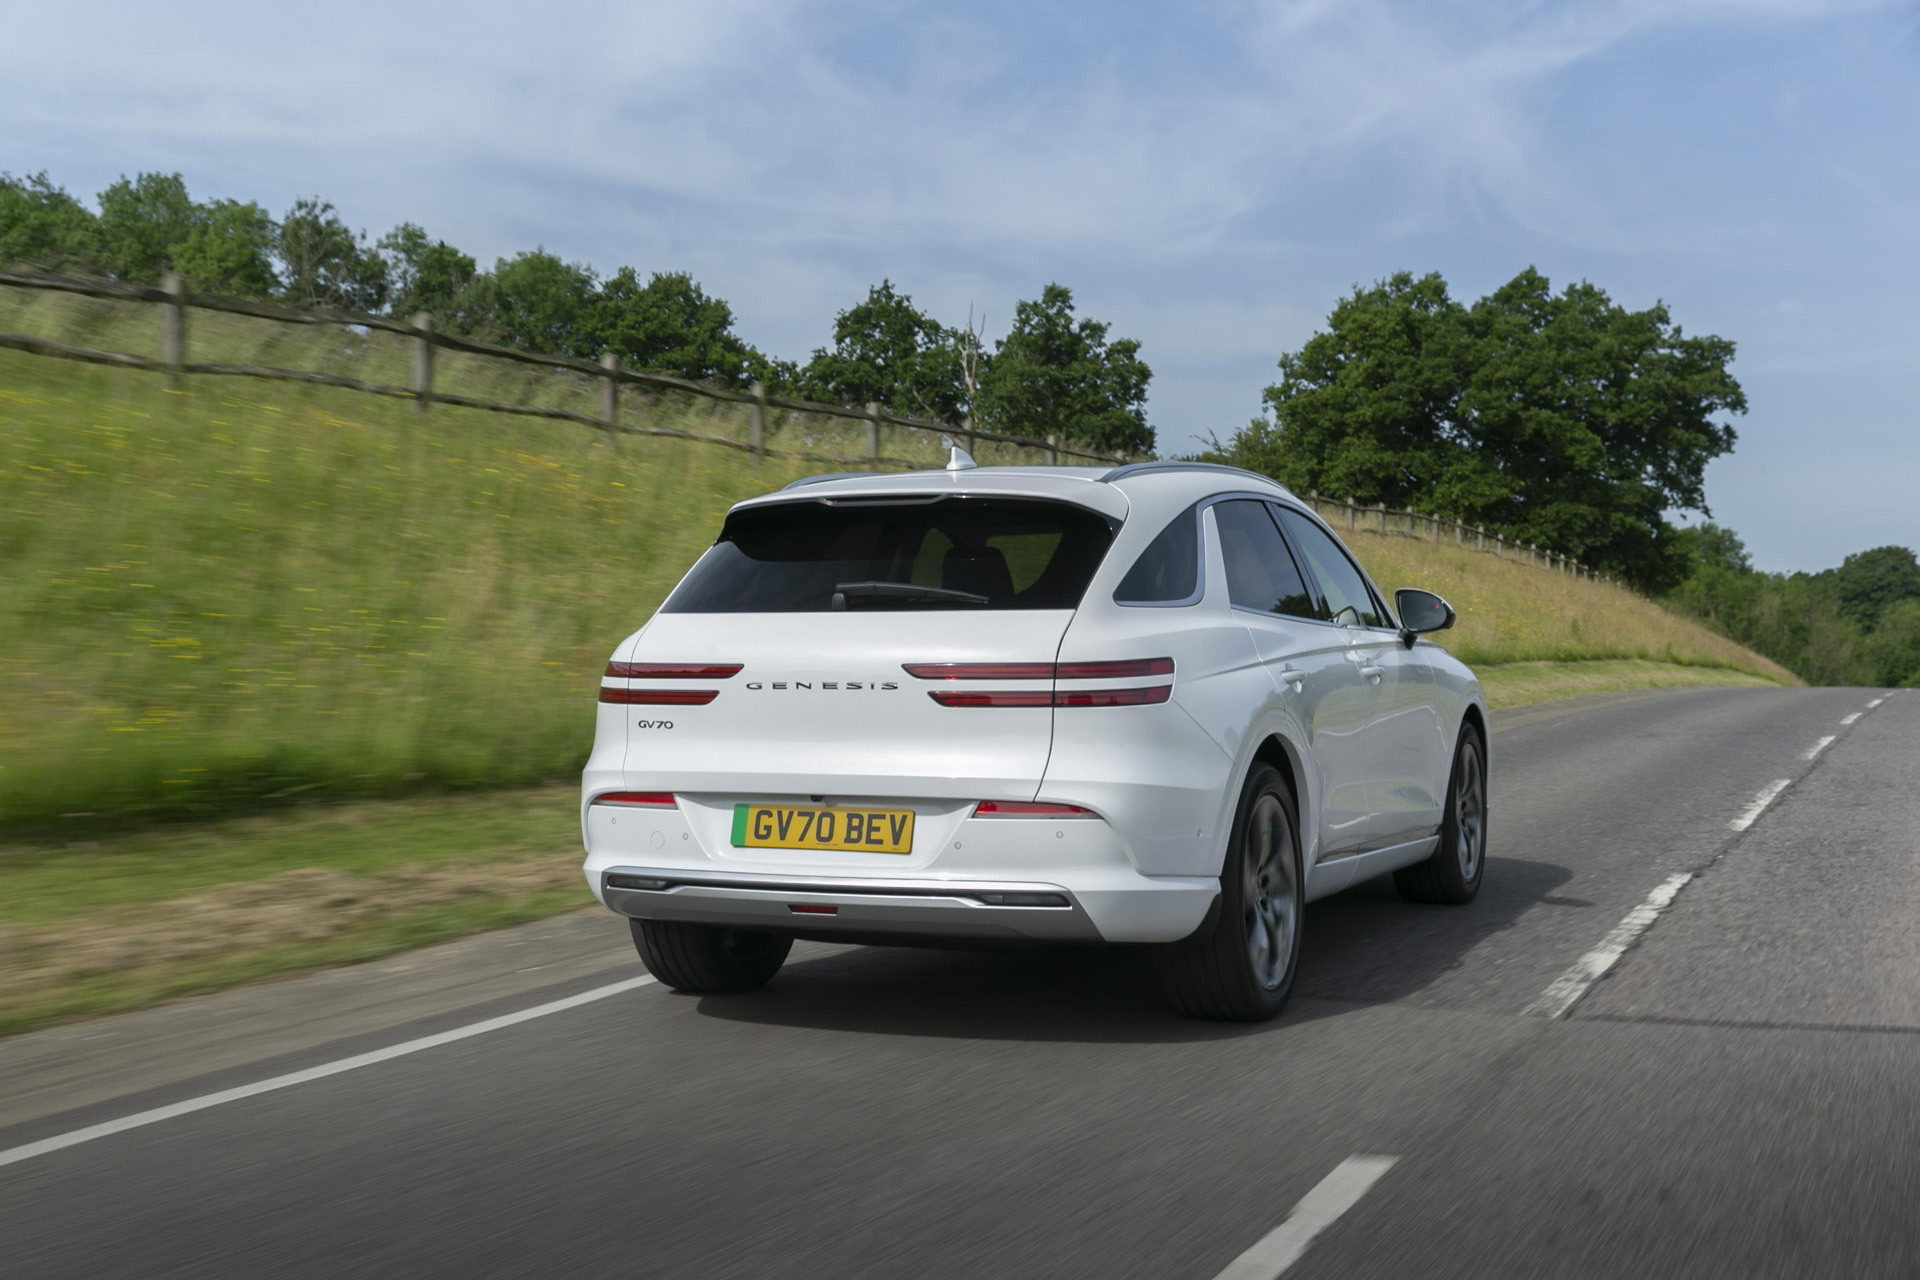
x=1341, y=586
x=1261, y=574
x=1168, y=571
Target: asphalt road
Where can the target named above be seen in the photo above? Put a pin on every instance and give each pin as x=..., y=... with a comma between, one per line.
x=1738, y=1095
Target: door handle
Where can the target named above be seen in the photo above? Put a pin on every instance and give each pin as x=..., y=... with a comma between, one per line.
x=1298, y=679
x=1373, y=674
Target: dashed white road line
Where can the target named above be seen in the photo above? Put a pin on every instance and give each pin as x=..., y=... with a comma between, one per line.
x=1850, y=718
x=1566, y=990
x=140, y=1119
x=1336, y=1193
x=1876, y=702
x=1818, y=747
x=1751, y=814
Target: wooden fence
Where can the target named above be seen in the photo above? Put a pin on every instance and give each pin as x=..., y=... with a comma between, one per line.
x=1408, y=523
x=175, y=302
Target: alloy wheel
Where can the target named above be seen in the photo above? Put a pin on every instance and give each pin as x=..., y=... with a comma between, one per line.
x=1272, y=892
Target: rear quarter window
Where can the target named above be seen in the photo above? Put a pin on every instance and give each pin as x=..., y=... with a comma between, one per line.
x=1168, y=571
x=954, y=553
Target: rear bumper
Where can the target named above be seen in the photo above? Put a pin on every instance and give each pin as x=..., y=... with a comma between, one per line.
x=831, y=906
x=673, y=864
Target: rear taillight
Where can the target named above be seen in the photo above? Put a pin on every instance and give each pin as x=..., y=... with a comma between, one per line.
x=672, y=670
x=636, y=799
x=660, y=697
x=967, y=698
x=1128, y=669
x=1022, y=809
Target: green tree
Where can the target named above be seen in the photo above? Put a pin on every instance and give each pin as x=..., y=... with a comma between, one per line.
x=425, y=274
x=1893, y=650
x=144, y=222
x=1055, y=376
x=323, y=262
x=1559, y=419
x=42, y=226
x=230, y=251
x=1870, y=582
x=667, y=325
x=534, y=301
x=886, y=351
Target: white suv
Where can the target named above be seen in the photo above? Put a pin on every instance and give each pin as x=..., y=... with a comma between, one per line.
x=1154, y=704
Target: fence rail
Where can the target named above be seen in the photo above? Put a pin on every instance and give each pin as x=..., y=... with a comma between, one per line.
x=176, y=301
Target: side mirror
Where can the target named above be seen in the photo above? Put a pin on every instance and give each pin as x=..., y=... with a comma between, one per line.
x=1420, y=612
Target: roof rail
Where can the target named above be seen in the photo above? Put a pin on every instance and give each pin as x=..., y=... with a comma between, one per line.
x=1141, y=468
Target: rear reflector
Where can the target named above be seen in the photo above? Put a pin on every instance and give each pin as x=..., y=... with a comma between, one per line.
x=1060, y=698
x=672, y=671
x=1022, y=899
x=809, y=909
x=1027, y=809
x=661, y=697
x=1130, y=669
x=636, y=882
x=637, y=799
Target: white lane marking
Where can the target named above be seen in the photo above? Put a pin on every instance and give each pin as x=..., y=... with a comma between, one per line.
x=1849, y=719
x=140, y=1119
x=1336, y=1193
x=1751, y=814
x=1876, y=702
x=1819, y=746
x=1565, y=991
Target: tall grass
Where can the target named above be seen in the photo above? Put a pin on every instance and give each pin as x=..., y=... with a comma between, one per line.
x=246, y=592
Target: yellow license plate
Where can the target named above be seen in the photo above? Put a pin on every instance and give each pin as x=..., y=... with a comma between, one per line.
x=779, y=826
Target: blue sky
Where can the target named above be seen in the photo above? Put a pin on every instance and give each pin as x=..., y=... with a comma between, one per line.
x=1209, y=178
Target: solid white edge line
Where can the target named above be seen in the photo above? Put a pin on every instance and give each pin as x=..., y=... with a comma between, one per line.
x=1751, y=814
x=1565, y=991
x=140, y=1119
x=1819, y=746
x=1849, y=719
x=1336, y=1193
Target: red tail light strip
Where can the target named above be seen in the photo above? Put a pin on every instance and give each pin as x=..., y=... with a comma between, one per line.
x=636, y=799
x=1129, y=669
x=1061, y=698
x=672, y=671
x=1019, y=809
x=660, y=697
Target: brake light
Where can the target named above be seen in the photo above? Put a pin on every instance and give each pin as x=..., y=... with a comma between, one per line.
x=1021, y=809
x=636, y=799
x=660, y=697
x=672, y=671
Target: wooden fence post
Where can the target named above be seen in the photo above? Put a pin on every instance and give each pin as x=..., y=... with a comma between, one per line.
x=757, y=421
x=1459, y=532
x=1353, y=515
x=173, y=327
x=1480, y=537
x=610, y=391
x=873, y=435
x=423, y=362
x=1053, y=450
x=966, y=429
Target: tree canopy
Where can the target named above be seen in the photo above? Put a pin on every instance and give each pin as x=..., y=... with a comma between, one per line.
x=1055, y=376
x=1558, y=419
x=887, y=352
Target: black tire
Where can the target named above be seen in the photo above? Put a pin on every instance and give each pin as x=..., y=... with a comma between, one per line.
x=1454, y=872
x=1240, y=966
x=709, y=959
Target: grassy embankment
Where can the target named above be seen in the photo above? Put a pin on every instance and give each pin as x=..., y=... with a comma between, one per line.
x=350, y=644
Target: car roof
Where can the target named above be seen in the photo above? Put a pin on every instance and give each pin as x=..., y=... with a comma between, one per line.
x=1153, y=487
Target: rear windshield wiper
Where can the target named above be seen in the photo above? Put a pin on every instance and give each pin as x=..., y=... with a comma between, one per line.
x=844, y=591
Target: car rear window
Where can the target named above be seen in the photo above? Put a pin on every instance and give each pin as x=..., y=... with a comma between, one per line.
x=953, y=553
